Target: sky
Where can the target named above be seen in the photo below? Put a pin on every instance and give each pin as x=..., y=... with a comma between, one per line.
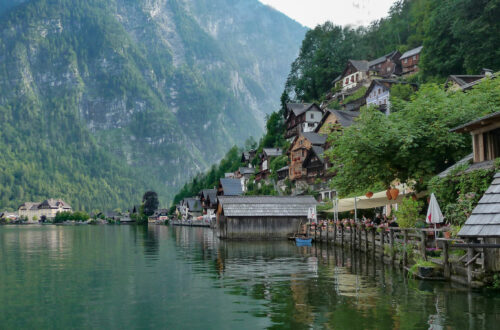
x=341, y=12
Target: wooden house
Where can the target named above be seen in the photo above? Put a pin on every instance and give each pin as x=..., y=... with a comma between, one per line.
x=283, y=173
x=298, y=152
x=355, y=74
x=301, y=117
x=265, y=158
x=262, y=217
x=379, y=92
x=386, y=66
x=248, y=156
x=485, y=134
x=208, y=199
x=244, y=174
x=410, y=60
x=316, y=166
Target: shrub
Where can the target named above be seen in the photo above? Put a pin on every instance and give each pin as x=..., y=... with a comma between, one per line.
x=408, y=212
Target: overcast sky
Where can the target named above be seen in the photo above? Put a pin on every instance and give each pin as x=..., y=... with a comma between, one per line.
x=341, y=12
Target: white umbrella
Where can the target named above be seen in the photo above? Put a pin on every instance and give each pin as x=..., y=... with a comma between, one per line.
x=434, y=214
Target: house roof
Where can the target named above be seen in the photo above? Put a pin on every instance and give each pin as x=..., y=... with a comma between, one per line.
x=193, y=204
x=345, y=118
x=315, y=138
x=485, y=218
x=466, y=160
x=231, y=187
x=382, y=58
x=478, y=123
x=300, y=108
x=29, y=206
x=54, y=204
x=360, y=65
x=272, y=152
x=270, y=206
x=284, y=168
x=206, y=192
x=246, y=170
x=463, y=80
x=411, y=52
x=212, y=197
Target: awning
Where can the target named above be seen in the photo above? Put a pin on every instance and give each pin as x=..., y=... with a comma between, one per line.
x=378, y=199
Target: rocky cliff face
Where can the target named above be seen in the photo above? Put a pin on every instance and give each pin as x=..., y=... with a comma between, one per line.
x=161, y=86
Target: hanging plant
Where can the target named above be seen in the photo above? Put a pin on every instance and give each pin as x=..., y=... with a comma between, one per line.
x=369, y=194
x=388, y=194
x=394, y=193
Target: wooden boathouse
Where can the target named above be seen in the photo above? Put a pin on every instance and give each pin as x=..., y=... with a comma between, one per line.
x=262, y=217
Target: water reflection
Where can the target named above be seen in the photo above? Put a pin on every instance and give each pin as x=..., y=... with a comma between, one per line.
x=172, y=277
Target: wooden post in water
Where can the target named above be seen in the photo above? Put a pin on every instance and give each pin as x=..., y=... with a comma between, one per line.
x=334, y=234
x=405, y=243
x=423, y=244
x=470, y=255
x=382, y=233
x=366, y=241
x=445, y=260
x=391, y=238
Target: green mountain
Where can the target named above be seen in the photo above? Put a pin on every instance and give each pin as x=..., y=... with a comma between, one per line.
x=102, y=99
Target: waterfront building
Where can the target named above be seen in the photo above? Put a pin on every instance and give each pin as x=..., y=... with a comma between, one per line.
x=43, y=211
x=262, y=217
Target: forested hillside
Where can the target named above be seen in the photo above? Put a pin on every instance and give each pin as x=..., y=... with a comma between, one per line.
x=100, y=100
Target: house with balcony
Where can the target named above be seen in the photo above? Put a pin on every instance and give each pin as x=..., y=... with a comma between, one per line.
x=301, y=117
x=410, y=60
x=298, y=152
x=386, y=66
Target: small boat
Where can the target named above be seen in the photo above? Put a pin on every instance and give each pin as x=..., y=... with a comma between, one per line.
x=303, y=241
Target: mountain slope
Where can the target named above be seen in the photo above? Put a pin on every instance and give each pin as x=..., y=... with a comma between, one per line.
x=139, y=82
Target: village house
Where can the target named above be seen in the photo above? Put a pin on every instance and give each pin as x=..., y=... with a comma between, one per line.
x=466, y=82
x=244, y=174
x=301, y=117
x=386, y=66
x=316, y=166
x=262, y=217
x=485, y=134
x=265, y=159
x=355, y=75
x=379, y=93
x=208, y=198
x=189, y=208
x=248, y=156
x=410, y=60
x=229, y=187
x=43, y=211
x=298, y=152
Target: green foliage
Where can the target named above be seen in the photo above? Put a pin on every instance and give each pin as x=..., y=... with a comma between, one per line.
x=356, y=95
x=150, y=203
x=461, y=36
x=70, y=216
x=420, y=262
x=409, y=144
x=459, y=192
x=408, y=212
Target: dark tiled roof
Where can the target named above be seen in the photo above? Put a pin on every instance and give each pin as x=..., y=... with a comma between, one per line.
x=315, y=138
x=318, y=151
x=466, y=160
x=345, y=118
x=272, y=152
x=262, y=206
x=477, y=123
x=300, y=108
x=412, y=52
x=386, y=83
x=485, y=218
x=246, y=170
x=285, y=168
x=231, y=187
x=193, y=204
x=360, y=65
x=382, y=58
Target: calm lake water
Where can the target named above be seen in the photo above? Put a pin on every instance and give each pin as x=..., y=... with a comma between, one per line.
x=122, y=277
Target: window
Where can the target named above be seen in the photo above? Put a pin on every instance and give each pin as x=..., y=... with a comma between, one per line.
x=347, y=81
x=357, y=77
x=388, y=69
x=379, y=91
x=414, y=57
x=405, y=61
x=352, y=78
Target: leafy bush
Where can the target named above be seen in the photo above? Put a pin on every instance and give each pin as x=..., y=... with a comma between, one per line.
x=408, y=213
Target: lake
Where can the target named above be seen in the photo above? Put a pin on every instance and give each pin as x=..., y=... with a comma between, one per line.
x=122, y=277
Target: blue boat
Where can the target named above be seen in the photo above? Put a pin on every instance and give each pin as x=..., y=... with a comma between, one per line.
x=303, y=241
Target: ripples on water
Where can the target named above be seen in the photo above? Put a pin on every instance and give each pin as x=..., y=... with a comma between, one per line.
x=176, y=277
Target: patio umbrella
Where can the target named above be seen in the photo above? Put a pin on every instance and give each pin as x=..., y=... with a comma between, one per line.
x=434, y=214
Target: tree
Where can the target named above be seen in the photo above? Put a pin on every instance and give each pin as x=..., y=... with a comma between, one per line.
x=150, y=202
